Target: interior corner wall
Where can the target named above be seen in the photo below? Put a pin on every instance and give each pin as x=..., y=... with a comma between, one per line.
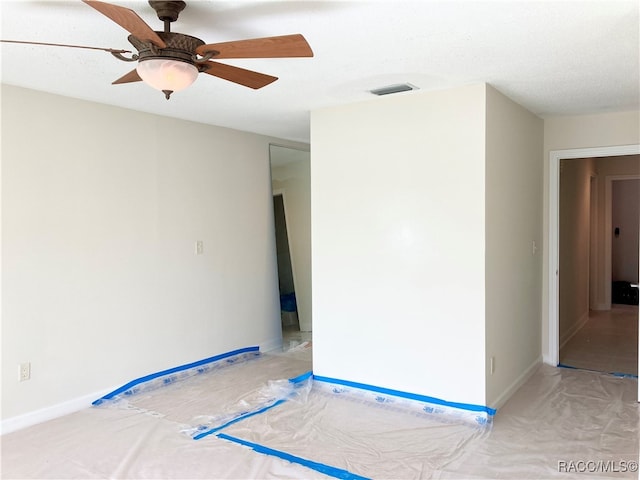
x=398, y=235
x=101, y=209
x=294, y=179
x=570, y=132
x=513, y=223
x=574, y=254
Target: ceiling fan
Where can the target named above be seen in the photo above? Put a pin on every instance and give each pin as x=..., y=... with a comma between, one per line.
x=170, y=61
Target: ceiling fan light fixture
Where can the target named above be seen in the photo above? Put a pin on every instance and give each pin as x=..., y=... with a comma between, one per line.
x=167, y=75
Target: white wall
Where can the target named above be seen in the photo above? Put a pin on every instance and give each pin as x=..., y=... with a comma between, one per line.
x=584, y=131
x=513, y=223
x=294, y=180
x=398, y=235
x=101, y=208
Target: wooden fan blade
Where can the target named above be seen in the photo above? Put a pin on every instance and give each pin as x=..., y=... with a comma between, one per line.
x=130, y=77
x=238, y=75
x=129, y=20
x=110, y=50
x=267, y=47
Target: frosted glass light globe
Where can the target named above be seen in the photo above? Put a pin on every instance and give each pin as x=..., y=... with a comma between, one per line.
x=166, y=74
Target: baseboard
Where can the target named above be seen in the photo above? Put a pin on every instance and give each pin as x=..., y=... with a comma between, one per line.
x=601, y=307
x=25, y=420
x=49, y=413
x=574, y=329
x=271, y=345
x=504, y=396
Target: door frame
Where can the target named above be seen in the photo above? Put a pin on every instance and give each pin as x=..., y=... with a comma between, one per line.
x=553, y=353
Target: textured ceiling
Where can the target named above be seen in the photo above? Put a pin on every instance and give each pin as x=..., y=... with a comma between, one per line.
x=554, y=58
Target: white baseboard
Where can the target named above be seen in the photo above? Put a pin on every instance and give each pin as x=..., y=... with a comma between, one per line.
x=25, y=420
x=504, y=396
x=574, y=329
x=601, y=307
x=271, y=345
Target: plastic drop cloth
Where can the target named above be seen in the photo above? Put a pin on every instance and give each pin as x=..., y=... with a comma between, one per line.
x=202, y=401
x=140, y=435
x=558, y=419
x=119, y=444
x=560, y=424
x=366, y=438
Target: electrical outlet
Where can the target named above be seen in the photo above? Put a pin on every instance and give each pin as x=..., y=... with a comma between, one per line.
x=25, y=371
x=492, y=365
x=199, y=247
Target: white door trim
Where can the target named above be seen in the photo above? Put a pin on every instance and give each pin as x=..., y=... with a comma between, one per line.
x=552, y=356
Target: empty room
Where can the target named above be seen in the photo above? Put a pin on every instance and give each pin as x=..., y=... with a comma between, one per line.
x=319, y=239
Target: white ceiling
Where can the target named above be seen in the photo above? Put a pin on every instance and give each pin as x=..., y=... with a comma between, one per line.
x=553, y=57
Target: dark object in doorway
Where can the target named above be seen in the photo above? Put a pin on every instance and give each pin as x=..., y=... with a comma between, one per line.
x=288, y=302
x=624, y=293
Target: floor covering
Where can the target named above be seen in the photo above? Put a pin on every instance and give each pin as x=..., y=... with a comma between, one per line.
x=562, y=423
x=607, y=342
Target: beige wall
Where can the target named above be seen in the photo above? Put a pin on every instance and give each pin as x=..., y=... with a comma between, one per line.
x=572, y=132
x=294, y=180
x=101, y=209
x=513, y=223
x=574, y=255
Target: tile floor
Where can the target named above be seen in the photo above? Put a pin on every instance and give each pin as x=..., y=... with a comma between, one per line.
x=608, y=342
x=292, y=337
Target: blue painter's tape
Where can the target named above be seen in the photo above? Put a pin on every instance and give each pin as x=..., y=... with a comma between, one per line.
x=238, y=418
x=615, y=374
x=318, y=467
x=146, y=378
x=301, y=378
x=411, y=396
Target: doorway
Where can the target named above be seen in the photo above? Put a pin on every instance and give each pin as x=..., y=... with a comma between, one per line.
x=597, y=335
x=603, y=264
x=286, y=285
x=291, y=187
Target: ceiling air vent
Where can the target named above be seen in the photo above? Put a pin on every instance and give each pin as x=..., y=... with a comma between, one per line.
x=389, y=89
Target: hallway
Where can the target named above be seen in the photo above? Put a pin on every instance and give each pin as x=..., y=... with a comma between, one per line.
x=608, y=342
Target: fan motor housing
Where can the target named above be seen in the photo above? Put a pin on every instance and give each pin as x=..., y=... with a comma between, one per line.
x=179, y=47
